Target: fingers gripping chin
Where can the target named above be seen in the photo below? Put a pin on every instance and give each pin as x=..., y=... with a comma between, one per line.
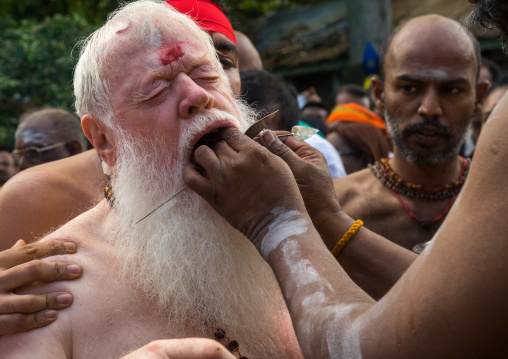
x=197, y=182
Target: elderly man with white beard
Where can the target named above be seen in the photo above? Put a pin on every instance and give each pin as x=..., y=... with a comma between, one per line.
x=148, y=86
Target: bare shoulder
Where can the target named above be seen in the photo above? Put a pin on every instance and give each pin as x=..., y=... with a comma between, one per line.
x=44, y=197
x=358, y=185
x=47, y=342
x=57, y=340
x=464, y=267
x=362, y=195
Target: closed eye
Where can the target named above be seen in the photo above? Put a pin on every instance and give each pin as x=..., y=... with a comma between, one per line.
x=156, y=94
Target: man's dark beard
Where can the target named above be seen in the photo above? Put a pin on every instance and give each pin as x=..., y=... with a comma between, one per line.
x=430, y=157
x=487, y=14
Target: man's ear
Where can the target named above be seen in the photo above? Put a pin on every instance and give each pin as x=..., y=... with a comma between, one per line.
x=481, y=90
x=98, y=136
x=379, y=93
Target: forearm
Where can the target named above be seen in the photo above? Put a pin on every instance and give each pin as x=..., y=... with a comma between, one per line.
x=373, y=262
x=322, y=300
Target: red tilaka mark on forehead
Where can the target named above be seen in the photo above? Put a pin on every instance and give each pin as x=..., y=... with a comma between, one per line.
x=171, y=55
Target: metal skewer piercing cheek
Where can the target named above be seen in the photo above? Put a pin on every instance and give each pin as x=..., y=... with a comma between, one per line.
x=300, y=133
x=252, y=131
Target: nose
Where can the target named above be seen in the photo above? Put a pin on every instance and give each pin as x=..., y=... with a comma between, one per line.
x=430, y=105
x=194, y=98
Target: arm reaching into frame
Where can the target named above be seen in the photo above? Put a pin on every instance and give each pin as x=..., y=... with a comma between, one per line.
x=19, y=266
x=448, y=302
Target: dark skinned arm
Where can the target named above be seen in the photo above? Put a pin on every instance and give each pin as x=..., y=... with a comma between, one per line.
x=372, y=261
x=449, y=303
x=19, y=266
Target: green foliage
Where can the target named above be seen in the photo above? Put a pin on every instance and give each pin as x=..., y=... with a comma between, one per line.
x=92, y=11
x=37, y=42
x=36, y=66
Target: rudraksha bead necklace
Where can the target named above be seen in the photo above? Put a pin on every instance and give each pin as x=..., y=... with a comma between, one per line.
x=220, y=334
x=108, y=193
x=384, y=172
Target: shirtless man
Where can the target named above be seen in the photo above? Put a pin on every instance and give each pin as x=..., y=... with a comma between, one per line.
x=249, y=56
x=450, y=303
x=493, y=96
x=7, y=165
x=43, y=198
x=47, y=135
x=428, y=93
x=183, y=271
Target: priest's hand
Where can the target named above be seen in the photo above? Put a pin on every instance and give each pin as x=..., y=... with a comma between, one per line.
x=249, y=186
x=311, y=172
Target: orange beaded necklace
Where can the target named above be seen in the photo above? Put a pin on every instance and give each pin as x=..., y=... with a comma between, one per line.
x=398, y=186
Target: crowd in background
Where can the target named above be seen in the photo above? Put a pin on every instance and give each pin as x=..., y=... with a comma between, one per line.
x=399, y=152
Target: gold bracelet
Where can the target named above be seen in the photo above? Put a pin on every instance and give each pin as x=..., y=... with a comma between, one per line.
x=346, y=237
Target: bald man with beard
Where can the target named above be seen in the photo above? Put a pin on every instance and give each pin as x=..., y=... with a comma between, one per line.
x=429, y=92
x=183, y=271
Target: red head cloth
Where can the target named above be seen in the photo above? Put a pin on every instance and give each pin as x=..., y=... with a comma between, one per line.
x=206, y=14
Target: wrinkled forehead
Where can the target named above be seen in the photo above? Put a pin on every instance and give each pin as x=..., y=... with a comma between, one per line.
x=163, y=33
x=167, y=32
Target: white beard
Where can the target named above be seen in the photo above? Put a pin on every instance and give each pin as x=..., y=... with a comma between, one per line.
x=185, y=256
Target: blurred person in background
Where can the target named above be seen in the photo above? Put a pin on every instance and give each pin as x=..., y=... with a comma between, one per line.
x=359, y=135
x=429, y=93
x=248, y=56
x=492, y=97
x=359, y=144
x=7, y=165
x=315, y=114
x=350, y=93
x=489, y=72
x=48, y=135
x=267, y=93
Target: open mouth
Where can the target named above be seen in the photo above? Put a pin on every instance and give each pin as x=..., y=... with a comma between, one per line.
x=208, y=139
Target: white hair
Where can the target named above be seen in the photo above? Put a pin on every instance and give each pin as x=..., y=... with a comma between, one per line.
x=185, y=256
x=143, y=20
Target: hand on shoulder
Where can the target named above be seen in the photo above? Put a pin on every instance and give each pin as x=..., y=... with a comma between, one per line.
x=20, y=266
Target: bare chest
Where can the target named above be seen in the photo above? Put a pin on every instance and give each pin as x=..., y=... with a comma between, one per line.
x=109, y=316
x=402, y=220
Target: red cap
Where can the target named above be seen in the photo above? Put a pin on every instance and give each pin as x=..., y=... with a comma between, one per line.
x=207, y=15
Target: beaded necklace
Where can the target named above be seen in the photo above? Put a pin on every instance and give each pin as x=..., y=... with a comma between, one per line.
x=384, y=172
x=397, y=185
x=219, y=334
